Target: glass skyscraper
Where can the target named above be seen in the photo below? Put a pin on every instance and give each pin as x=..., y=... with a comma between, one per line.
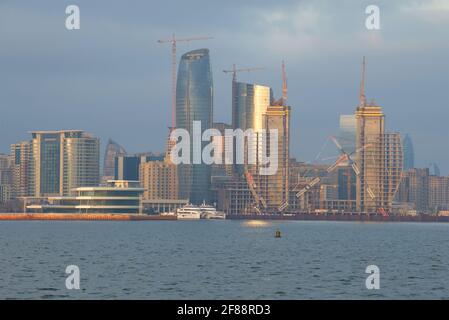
x=194, y=102
x=249, y=105
x=409, y=154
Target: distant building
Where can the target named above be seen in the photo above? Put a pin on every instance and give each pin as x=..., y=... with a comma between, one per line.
x=114, y=198
x=113, y=150
x=159, y=179
x=64, y=160
x=409, y=154
x=126, y=167
x=438, y=193
x=5, y=193
x=194, y=102
x=434, y=169
x=414, y=188
x=22, y=169
x=5, y=178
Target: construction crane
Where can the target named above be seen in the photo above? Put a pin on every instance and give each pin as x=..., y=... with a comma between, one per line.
x=234, y=71
x=283, y=100
x=284, y=84
x=343, y=157
x=252, y=187
x=372, y=195
x=173, y=42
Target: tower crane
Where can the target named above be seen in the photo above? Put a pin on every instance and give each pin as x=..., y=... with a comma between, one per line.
x=234, y=71
x=283, y=100
x=173, y=40
x=343, y=157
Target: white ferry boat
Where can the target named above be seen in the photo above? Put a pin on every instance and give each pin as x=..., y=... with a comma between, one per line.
x=210, y=212
x=188, y=212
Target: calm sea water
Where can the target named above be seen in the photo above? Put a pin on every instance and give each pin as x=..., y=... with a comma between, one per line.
x=223, y=260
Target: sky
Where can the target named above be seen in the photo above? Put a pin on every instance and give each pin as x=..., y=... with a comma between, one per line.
x=112, y=78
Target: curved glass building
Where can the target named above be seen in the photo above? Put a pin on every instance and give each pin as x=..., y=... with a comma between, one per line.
x=113, y=150
x=194, y=102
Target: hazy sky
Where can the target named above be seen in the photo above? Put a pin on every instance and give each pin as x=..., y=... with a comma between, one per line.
x=112, y=78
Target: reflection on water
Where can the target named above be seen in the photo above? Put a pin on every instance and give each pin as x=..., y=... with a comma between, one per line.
x=256, y=223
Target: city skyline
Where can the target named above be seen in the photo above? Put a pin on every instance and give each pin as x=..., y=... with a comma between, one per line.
x=321, y=86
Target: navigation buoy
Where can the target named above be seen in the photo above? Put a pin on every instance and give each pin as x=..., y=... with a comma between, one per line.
x=277, y=234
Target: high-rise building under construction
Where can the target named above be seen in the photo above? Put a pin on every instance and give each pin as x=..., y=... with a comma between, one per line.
x=378, y=156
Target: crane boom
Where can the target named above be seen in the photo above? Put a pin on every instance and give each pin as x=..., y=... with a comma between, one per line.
x=234, y=71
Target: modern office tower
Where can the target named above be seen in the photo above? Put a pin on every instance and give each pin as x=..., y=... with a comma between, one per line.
x=194, y=102
x=113, y=150
x=409, y=154
x=347, y=132
x=159, y=179
x=64, y=160
x=379, y=157
x=438, y=193
x=126, y=167
x=249, y=103
x=22, y=169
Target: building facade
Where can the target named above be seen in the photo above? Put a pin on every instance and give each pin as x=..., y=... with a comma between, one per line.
x=159, y=180
x=127, y=167
x=194, y=102
x=22, y=170
x=117, y=197
x=5, y=178
x=113, y=150
x=409, y=153
x=64, y=160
